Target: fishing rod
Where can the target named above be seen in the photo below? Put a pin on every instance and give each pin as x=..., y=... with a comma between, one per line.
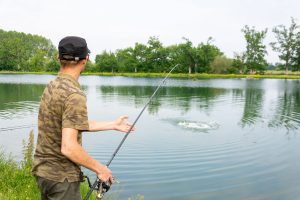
x=103, y=187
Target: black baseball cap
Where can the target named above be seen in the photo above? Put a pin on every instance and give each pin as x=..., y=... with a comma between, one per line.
x=73, y=48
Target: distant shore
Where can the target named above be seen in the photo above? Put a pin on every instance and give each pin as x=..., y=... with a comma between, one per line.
x=268, y=74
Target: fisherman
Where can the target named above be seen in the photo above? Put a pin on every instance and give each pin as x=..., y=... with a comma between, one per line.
x=62, y=119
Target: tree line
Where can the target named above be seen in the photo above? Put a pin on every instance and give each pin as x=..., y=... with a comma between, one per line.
x=27, y=52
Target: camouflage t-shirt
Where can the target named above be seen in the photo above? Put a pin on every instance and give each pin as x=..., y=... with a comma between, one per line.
x=63, y=105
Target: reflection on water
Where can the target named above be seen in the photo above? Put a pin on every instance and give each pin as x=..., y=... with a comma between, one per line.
x=182, y=98
x=19, y=100
x=287, y=110
x=216, y=139
x=253, y=101
x=286, y=113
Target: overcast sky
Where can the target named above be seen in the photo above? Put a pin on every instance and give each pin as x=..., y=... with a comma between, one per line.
x=115, y=24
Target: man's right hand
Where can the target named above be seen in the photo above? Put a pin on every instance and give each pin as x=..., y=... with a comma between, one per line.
x=105, y=175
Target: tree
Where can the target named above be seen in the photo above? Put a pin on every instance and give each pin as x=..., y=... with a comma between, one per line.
x=140, y=55
x=176, y=56
x=287, y=43
x=189, y=55
x=296, y=58
x=6, y=61
x=156, y=56
x=106, y=62
x=206, y=53
x=24, y=52
x=255, y=49
x=238, y=63
x=126, y=60
x=90, y=67
x=221, y=64
x=198, y=59
x=53, y=65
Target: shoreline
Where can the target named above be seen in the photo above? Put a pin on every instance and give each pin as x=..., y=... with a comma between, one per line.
x=268, y=75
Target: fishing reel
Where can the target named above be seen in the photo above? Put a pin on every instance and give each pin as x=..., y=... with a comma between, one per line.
x=101, y=187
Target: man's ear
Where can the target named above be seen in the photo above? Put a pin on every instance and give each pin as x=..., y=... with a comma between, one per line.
x=84, y=61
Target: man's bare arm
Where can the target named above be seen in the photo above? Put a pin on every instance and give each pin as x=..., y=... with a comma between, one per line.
x=72, y=150
x=121, y=124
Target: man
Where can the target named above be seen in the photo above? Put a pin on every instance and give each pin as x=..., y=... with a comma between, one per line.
x=62, y=118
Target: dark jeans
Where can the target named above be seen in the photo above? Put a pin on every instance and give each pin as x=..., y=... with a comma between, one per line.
x=51, y=190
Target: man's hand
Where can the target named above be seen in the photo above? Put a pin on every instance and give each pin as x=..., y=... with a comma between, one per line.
x=105, y=175
x=122, y=124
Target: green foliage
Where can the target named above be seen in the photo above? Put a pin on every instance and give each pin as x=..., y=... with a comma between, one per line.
x=84, y=189
x=288, y=45
x=52, y=65
x=32, y=53
x=222, y=65
x=154, y=57
x=90, y=67
x=125, y=60
x=238, y=63
x=140, y=56
x=255, y=49
x=296, y=57
x=187, y=56
x=106, y=62
x=24, y=52
x=206, y=55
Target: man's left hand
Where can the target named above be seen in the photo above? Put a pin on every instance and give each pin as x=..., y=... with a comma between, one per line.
x=122, y=124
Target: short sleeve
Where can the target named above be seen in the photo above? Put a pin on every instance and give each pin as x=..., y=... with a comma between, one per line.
x=75, y=113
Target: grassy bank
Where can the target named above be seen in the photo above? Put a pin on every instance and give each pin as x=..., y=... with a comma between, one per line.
x=268, y=74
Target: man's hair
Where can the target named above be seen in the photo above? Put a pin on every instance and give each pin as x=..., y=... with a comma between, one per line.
x=64, y=63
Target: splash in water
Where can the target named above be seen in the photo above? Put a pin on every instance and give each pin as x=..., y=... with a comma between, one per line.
x=197, y=125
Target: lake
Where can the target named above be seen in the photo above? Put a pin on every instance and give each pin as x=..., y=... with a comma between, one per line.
x=227, y=139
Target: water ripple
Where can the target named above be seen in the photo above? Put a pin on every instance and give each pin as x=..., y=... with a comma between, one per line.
x=21, y=109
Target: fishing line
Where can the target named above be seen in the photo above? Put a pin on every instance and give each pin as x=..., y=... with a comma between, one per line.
x=17, y=127
x=103, y=187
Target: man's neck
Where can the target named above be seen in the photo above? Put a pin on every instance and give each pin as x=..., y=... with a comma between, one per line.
x=75, y=73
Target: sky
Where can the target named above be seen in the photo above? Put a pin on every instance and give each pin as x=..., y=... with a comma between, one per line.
x=116, y=24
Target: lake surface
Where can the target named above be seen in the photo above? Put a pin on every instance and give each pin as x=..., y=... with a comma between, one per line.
x=227, y=139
